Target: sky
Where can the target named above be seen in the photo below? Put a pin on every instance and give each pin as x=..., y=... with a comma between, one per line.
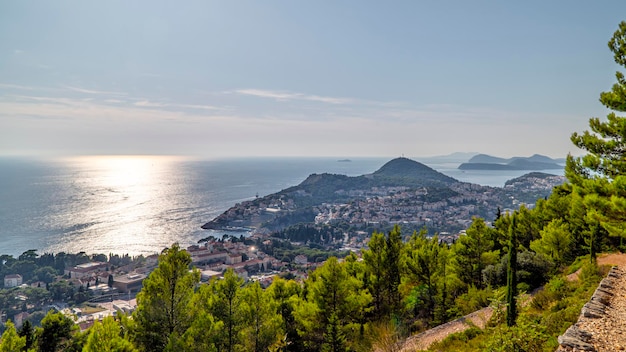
x=302, y=78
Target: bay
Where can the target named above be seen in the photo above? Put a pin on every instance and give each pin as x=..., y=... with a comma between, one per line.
x=142, y=204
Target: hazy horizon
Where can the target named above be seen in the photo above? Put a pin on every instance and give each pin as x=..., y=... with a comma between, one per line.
x=456, y=156
x=214, y=79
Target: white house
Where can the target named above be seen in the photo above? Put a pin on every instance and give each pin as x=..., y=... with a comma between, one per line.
x=12, y=280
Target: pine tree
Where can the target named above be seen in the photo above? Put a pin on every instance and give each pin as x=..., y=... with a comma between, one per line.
x=384, y=271
x=28, y=332
x=163, y=310
x=10, y=340
x=393, y=251
x=421, y=263
x=337, y=303
x=375, y=265
x=225, y=306
x=286, y=295
x=262, y=325
x=56, y=332
x=511, y=287
x=106, y=336
x=470, y=249
x=600, y=175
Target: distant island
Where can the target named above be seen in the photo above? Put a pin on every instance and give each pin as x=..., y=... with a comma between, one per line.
x=532, y=163
x=402, y=191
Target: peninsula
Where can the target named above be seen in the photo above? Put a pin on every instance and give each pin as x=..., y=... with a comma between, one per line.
x=402, y=191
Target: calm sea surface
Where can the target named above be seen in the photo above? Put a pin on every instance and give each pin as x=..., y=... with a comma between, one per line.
x=142, y=204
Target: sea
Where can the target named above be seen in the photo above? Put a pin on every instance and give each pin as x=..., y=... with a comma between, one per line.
x=142, y=204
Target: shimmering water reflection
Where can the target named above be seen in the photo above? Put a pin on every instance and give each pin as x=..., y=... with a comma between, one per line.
x=136, y=204
x=120, y=202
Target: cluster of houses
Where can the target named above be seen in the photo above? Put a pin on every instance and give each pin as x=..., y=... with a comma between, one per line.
x=113, y=290
x=215, y=257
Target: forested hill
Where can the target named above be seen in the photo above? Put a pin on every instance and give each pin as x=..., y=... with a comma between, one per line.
x=401, y=191
x=404, y=172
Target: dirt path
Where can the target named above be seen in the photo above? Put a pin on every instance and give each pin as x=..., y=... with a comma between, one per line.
x=423, y=340
x=618, y=259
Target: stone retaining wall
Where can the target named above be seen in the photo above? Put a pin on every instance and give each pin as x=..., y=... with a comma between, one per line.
x=579, y=337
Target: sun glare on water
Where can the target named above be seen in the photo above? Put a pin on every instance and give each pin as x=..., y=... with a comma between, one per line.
x=122, y=198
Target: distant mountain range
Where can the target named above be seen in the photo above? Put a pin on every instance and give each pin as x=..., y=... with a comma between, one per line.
x=532, y=163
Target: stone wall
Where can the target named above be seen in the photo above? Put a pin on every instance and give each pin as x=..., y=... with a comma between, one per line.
x=581, y=336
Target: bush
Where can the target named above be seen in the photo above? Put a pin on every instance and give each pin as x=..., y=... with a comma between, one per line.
x=590, y=274
x=527, y=335
x=473, y=300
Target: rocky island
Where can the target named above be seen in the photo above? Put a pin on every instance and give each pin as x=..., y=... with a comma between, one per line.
x=535, y=162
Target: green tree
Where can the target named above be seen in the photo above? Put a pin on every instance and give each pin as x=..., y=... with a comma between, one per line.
x=10, y=340
x=286, y=294
x=471, y=252
x=28, y=333
x=46, y=274
x=337, y=304
x=163, y=310
x=334, y=338
x=224, y=299
x=555, y=243
x=393, y=251
x=107, y=336
x=421, y=263
x=511, y=286
x=55, y=333
x=202, y=335
x=449, y=285
x=600, y=175
x=383, y=263
x=374, y=258
x=262, y=324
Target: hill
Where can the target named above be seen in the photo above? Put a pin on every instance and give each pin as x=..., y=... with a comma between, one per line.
x=301, y=203
x=404, y=171
x=401, y=191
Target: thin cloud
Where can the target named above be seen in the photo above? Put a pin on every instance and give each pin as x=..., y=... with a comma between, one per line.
x=90, y=91
x=153, y=104
x=149, y=104
x=81, y=108
x=15, y=86
x=200, y=107
x=277, y=95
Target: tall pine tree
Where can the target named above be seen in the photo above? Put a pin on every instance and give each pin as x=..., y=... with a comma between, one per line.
x=600, y=175
x=163, y=310
x=511, y=285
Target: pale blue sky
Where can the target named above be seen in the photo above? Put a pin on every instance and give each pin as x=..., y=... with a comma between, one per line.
x=295, y=78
